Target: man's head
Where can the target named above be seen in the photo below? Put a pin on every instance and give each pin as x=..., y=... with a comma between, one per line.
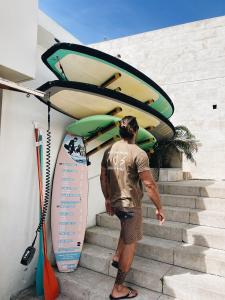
x=128, y=127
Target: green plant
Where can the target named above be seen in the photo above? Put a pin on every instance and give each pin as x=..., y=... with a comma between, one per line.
x=183, y=141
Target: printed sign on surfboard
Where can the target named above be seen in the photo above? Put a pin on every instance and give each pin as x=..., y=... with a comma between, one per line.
x=69, y=203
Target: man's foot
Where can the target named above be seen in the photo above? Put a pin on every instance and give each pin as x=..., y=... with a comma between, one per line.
x=123, y=293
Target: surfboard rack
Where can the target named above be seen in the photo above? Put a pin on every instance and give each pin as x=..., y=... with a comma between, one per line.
x=111, y=79
x=118, y=89
x=149, y=128
x=114, y=111
x=10, y=85
x=150, y=101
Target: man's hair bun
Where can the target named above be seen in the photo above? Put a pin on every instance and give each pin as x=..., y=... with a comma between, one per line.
x=128, y=127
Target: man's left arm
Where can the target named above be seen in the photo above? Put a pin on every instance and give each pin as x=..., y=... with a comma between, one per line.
x=105, y=190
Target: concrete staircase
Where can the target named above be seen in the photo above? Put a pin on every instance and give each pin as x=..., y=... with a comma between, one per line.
x=182, y=259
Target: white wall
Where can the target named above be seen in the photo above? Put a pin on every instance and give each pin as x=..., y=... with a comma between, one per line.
x=19, y=202
x=96, y=202
x=18, y=32
x=188, y=62
x=49, y=29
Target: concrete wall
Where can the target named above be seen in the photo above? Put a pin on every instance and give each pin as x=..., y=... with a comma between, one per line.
x=18, y=32
x=19, y=208
x=188, y=62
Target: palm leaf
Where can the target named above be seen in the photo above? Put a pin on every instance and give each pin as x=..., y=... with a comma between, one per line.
x=183, y=141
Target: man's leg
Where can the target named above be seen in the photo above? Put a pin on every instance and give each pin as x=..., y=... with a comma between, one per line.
x=119, y=249
x=125, y=261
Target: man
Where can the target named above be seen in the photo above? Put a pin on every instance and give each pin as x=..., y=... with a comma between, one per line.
x=71, y=146
x=124, y=167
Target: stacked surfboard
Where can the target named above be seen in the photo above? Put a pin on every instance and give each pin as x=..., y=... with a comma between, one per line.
x=97, y=90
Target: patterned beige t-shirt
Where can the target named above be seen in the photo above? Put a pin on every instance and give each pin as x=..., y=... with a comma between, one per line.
x=124, y=162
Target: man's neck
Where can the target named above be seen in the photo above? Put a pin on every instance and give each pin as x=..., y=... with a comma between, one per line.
x=129, y=141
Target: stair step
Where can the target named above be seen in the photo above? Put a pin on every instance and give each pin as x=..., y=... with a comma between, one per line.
x=144, y=272
x=193, y=234
x=202, y=188
x=203, y=259
x=186, y=284
x=169, y=230
x=210, y=237
x=174, y=200
x=175, y=214
x=208, y=218
x=149, y=247
x=84, y=284
x=30, y=294
x=194, y=257
x=166, y=297
x=187, y=215
x=208, y=203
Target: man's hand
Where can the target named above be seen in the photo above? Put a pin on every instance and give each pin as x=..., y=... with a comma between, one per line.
x=160, y=216
x=108, y=207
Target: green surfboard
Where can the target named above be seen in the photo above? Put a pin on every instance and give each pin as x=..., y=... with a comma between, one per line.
x=103, y=128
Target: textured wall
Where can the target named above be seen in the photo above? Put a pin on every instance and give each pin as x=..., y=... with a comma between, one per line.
x=188, y=62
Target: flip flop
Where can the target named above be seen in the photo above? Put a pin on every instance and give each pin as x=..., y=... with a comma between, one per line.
x=115, y=264
x=126, y=296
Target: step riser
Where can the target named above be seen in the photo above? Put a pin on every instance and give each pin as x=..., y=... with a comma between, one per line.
x=211, y=203
x=85, y=284
x=165, y=297
x=185, y=284
x=190, y=202
x=143, y=250
x=183, y=257
x=174, y=233
x=175, y=201
x=201, y=191
x=164, y=231
x=68, y=288
x=188, y=216
x=171, y=215
x=207, y=219
x=209, y=240
x=98, y=264
x=140, y=276
x=180, y=291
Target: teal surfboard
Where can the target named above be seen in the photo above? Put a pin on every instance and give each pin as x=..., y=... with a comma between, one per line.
x=79, y=63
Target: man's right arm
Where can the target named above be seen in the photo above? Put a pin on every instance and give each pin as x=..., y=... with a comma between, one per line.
x=152, y=191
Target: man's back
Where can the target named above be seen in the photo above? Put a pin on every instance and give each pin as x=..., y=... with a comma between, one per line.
x=123, y=162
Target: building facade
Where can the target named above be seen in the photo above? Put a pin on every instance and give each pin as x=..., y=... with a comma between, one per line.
x=188, y=61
